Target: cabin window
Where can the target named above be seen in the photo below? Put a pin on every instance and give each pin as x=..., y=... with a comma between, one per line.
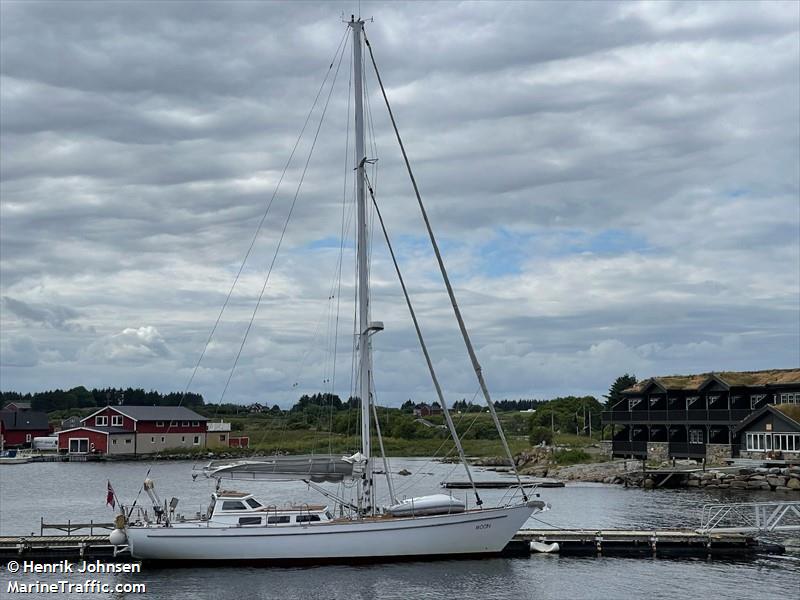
x=790, y=398
x=183, y=439
x=306, y=518
x=222, y=437
x=249, y=520
x=163, y=439
x=116, y=420
x=253, y=503
x=755, y=399
x=786, y=442
x=695, y=436
x=759, y=442
x=101, y=421
x=159, y=423
x=196, y=440
x=152, y=440
x=195, y=423
x=185, y=424
x=114, y=441
x=277, y=520
x=128, y=441
x=173, y=423
x=633, y=402
x=233, y=505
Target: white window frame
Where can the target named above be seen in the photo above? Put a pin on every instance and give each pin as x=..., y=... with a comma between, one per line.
x=633, y=403
x=693, y=434
x=127, y=440
x=196, y=441
x=163, y=439
x=79, y=440
x=195, y=423
x=101, y=421
x=114, y=441
x=184, y=423
x=117, y=421
x=159, y=423
x=755, y=399
x=790, y=398
x=28, y=437
x=786, y=442
x=152, y=439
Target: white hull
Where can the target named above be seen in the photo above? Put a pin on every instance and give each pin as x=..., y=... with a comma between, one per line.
x=476, y=532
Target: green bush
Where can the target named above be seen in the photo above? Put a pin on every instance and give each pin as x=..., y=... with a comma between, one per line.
x=539, y=435
x=571, y=457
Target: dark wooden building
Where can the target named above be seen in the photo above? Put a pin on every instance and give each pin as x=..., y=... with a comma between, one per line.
x=694, y=416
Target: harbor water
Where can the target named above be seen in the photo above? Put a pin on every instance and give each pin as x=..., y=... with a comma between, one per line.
x=77, y=491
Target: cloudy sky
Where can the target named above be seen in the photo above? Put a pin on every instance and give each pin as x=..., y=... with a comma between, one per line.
x=615, y=187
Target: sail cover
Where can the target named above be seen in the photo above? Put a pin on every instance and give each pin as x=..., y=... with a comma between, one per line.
x=319, y=468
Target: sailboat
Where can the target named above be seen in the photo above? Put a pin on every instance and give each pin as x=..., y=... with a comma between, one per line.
x=236, y=526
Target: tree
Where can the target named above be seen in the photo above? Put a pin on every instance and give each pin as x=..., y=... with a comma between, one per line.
x=539, y=435
x=408, y=406
x=615, y=391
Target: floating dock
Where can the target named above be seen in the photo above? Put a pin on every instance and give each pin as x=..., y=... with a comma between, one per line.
x=500, y=484
x=611, y=542
x=665, y=542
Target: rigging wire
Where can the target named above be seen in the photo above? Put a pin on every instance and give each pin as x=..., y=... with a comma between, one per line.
x=263, y=218
x=467, y=342
x=424, y=347
x=283, y=230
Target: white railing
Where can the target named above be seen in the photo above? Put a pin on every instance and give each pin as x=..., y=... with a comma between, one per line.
x=750, y=517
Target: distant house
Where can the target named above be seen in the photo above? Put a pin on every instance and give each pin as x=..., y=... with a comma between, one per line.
x=71, y=422
x=242, y=441
x=256, y=408
x=135, y=430
x=425, y=410
x=18, y=427
x=17, y=406
x=770, y=432
x=218, y=434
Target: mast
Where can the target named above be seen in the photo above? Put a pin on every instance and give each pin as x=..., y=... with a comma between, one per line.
x=364, y=360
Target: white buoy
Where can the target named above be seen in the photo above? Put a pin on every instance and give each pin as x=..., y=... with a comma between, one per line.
x=117, y=537
x=544, y=548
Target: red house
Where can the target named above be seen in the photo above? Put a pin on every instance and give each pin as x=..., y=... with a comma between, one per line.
x=19, y=427
x=135, y=430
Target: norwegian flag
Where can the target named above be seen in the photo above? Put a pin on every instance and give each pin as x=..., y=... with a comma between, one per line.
x=110, y=496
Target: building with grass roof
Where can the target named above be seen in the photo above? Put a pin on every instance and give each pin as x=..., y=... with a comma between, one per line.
x=695, y=416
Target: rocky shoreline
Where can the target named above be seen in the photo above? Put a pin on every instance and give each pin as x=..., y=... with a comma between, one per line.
x=536, y=463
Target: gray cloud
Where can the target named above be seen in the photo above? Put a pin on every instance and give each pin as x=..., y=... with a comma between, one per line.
x=616, y=187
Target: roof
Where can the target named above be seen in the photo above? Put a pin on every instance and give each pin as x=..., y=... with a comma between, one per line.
x=23, y=405
x=730, y=378
x=788, y=412
x=154, y=413
x=105, y=430
x=24, y=421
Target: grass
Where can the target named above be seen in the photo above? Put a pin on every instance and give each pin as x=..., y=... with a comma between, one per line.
x=573, y=456
x=305, y=441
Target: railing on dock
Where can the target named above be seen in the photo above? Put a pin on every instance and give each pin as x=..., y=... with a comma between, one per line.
x=751, y=517
x=69, y=526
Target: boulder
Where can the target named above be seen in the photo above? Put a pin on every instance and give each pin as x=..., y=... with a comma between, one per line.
x=775, y=471
x=738, y=484
x=693, y=483
x=793, y=484
x=756, y=478
x=706, y=476
x=648, y=484
x=758, y=485
x=762, y=470
x=782, y=488
x=776, y=481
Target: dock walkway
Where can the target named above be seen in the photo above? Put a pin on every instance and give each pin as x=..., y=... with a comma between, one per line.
x=673, y=542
